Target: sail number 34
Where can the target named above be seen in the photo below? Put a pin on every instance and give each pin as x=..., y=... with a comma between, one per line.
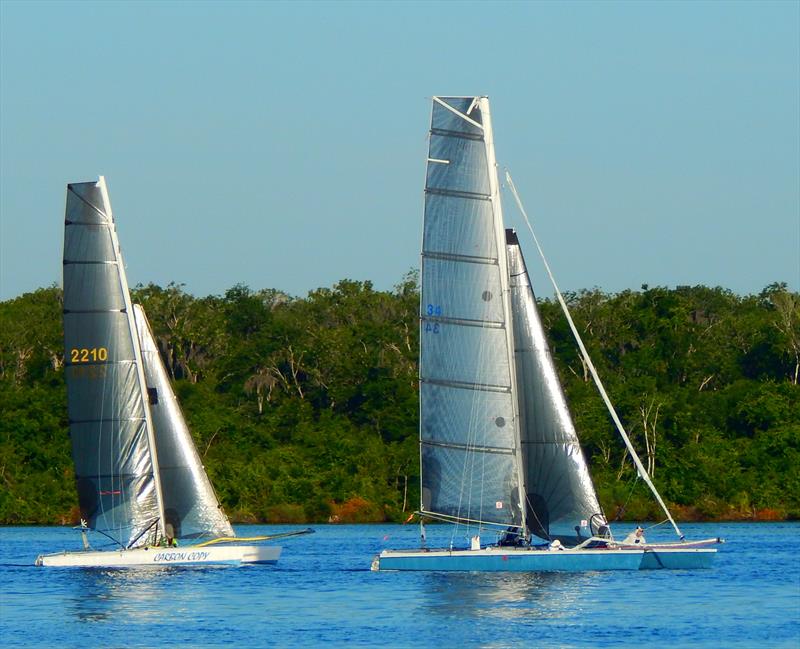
x=85, y=355
x=432, y=310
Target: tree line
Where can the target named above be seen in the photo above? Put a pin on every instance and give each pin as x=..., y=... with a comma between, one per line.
x=306, y=409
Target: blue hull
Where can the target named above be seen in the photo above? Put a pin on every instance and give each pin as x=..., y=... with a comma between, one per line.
x=657, y=559
x=533, y=560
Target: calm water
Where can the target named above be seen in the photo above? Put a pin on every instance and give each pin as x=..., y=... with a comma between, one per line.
x=323, y=592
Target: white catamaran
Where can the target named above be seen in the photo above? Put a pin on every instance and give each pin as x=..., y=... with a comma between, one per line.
x=498, y=449
x=140, y=481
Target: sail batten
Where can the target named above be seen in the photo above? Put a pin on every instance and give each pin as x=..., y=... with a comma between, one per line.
x=457, y=134
x=465, y=322
x=464, y=447
x=458, y=193
x=469, y=259
x=481, y=387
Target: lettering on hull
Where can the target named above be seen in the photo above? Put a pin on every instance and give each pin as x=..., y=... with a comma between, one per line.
x=171, y=557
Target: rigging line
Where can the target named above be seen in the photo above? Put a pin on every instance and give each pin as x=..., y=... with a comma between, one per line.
x=536, y=516
x=266, y=537
x=585, y=355
x=622, y=509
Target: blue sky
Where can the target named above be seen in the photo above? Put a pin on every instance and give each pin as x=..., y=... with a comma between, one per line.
x=283, y=145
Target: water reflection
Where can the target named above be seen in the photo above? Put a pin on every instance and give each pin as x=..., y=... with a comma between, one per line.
x=98, y=595
x=509, y=595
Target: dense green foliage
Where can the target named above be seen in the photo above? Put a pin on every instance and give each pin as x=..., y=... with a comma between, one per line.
x=306, y=409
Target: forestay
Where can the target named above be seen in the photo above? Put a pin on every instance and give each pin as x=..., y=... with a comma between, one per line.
x=560, y=496
x=468, y=438
x=111, y=437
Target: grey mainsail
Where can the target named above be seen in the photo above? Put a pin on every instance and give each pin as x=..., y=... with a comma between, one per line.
x=190, y=505
x=560, y=496
x=108, y=420
x=470, y=464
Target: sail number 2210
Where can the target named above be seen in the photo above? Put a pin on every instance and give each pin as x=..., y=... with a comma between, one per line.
x=89, y=355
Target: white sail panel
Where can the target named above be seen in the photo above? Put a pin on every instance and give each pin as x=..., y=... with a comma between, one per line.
x=468, y=485
x=467, y=431
x=559, y=491
x=463, y=165
x=457, y=226
x=94, y=238
x=449, y=411
x=465, y=291
x=103, y=391
x=110, y=446
x=470, y=356
x=99, y=282
x=190, y=505
x=84, y=351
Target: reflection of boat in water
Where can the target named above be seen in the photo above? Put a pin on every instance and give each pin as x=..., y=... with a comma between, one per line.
x=505, y=596
x=498, y=448
x=139, y=478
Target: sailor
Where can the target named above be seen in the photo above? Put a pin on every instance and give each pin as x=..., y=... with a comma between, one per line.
x=635, y=538
x=169, y=539
x=510, y=537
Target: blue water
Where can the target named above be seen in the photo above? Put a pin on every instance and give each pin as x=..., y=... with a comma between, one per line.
x=322, y=592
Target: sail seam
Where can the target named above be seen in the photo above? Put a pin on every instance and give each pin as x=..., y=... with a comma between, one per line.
x=458, y=193
x=483, y=324
x=102, y=225
x=471, y=447
x=113, y=476
x=467, y=259
x=79, y=311
x=463, y=385
x=70, y=262
x=104, y=420
x=570, y=442
x=442, y=132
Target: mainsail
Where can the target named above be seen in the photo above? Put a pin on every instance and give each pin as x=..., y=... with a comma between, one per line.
x=112, y=437
x=560, y=496
x=469, y=442
x=190, y=505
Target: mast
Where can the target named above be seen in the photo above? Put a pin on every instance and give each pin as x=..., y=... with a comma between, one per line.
x=137, y=350
x=502, y=258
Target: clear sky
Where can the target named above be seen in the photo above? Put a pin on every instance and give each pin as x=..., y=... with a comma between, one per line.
x=283, y=145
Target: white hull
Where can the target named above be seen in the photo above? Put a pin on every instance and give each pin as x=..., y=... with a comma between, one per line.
x=504, y=559
x=152, y=557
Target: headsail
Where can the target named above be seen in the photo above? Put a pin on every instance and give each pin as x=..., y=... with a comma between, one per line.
x=560, y=495
x=468, y=438
x=111, y=436
x=190, y=505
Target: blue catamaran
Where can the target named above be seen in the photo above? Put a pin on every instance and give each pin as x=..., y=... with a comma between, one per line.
x=500, y=458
